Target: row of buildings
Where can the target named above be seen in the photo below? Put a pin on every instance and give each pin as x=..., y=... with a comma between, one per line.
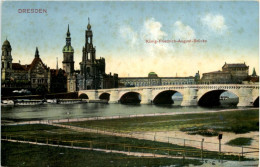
x=31, y=76
x=154, y=80
x=230, y=73
x=92, y=74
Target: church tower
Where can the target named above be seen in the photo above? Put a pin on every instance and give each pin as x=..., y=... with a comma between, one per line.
x=6, y=60
x=68, y=55
x=92, y=70
x=88, y=53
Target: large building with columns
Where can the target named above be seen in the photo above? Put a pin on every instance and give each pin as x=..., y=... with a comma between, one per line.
x=231, y=73
x=154, y=80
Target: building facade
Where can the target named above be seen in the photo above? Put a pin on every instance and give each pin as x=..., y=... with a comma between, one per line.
x=39, y=73
x=58, y=81
x=30, y=76
x=23, y=76
x=231, y=73
x=154, y=80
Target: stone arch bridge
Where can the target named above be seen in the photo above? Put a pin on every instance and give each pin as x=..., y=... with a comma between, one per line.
x=193, y=95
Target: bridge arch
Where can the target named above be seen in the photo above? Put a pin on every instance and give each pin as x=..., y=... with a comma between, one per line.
x=130, y=97
x=256, y=102
x=83, y=96
x=165, y=97
x=104, y=96
x=212, y=98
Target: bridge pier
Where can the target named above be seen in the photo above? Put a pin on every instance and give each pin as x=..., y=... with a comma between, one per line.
x=93, y=95
x=114, y=97
x=146, y=96
x=245, y=97
x=189, y=97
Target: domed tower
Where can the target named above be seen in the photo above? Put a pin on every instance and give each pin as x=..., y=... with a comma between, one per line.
x=6, y=60
x=68, y=55
x=197, y=77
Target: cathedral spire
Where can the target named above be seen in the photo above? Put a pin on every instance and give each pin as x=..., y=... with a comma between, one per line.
x=37, y=53
x=57, y=67
x=68, y=39
x=68, y=32
x=89, y=26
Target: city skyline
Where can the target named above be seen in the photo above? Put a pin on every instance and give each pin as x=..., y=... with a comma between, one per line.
x=120, y=34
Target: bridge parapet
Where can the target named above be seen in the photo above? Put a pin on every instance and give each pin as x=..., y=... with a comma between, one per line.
x=212, y=86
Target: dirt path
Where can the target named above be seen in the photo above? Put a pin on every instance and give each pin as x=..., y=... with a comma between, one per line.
x=190, y=140
x=210, y=143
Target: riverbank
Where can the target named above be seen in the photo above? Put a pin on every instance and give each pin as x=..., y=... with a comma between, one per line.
x=232, y=124
x=72, y=95
x=167, y=127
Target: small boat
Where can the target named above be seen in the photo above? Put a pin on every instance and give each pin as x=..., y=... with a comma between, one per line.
x=27, y=102
x=70, y=101
x=52, y=101
x=7, y=103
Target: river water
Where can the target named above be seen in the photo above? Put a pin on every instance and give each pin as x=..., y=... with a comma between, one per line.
x=85, y=110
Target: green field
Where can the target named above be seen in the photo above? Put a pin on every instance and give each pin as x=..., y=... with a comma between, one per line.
x=17, y=154
x=54, y=135
x=206, y=124
x=241, y=141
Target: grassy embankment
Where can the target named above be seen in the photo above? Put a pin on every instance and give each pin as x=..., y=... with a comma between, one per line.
x=54, y=135
x=17, y=154
x=205, y=124
x=241, y=141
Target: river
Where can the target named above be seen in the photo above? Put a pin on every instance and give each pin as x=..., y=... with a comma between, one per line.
x=63, y=111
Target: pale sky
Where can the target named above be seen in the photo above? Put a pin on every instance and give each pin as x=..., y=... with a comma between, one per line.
x=121, y=29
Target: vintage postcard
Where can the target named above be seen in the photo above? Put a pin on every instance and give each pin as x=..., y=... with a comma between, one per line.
x=129, y=83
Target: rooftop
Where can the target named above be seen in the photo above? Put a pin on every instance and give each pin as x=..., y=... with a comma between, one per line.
x=217, y=72
x=234, y=65
x=18, y=66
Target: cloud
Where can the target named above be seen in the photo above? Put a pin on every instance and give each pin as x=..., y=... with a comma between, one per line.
x=152, y=30
x=129, y=35
x=215, y=23
x=183, y=32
